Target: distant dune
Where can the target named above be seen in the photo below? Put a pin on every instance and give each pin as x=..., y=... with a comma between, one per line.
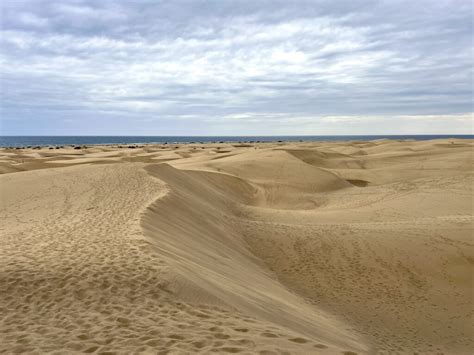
x=264, y=248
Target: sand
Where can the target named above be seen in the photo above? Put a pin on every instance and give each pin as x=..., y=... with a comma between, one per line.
x=258, y=248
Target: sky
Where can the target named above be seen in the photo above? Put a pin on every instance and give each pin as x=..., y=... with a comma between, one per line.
x=242, y=67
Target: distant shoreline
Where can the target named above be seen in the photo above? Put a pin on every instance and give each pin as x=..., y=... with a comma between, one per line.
x=45, y=141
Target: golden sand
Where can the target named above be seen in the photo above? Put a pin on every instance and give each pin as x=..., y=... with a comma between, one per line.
x=261, y=248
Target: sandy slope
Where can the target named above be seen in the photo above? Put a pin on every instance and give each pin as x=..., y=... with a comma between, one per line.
x=343, y=247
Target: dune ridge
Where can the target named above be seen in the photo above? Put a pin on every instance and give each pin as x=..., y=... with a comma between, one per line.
x=195, y=228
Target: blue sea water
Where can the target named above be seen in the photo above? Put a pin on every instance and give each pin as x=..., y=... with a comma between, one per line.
x=23, y=141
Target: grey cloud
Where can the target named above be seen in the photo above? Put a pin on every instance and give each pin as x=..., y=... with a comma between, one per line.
x=164, y=60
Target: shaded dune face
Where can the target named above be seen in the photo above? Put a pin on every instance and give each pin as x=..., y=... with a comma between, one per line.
x=196, y=229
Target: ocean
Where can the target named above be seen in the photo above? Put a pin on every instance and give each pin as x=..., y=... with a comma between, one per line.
x=24, y=141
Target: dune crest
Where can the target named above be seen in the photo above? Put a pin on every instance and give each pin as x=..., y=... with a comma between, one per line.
x=196, y=229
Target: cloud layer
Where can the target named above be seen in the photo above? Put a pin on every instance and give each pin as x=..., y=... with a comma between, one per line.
x=236, y=67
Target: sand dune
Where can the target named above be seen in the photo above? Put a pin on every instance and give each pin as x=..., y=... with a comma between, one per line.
x=284, y=181
x=332, y=248
x=195, y=229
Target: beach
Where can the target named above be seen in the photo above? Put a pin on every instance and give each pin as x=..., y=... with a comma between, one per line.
x=349, y=247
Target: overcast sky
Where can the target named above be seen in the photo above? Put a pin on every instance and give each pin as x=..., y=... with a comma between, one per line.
x=149, y=67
